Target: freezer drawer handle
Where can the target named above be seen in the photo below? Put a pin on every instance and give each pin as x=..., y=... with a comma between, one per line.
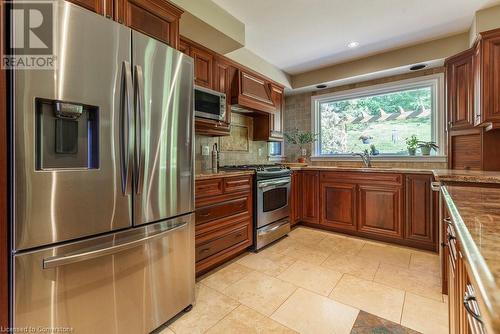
x=56, y=261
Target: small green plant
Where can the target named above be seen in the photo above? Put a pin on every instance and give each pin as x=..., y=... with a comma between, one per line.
x=426, y=147
x=301, y=139
x=412, y=143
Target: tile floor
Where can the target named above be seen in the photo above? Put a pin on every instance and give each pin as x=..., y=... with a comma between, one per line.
x=320, y=282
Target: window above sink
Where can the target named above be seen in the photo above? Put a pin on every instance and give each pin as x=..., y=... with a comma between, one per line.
x=383, y=116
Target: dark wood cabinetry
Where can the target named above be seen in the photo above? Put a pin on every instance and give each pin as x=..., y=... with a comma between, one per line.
x=310, y=197
x=224, y=223
x=338, y=205
x=269, y=126
x=487, y=79
x=459, y=77
x=156, y=18
x=421, y=225
x=252, y=91
x=380, y=210
x=203, y=67
x=296, y=203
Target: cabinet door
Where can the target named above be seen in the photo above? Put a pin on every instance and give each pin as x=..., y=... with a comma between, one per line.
x=310, y=197
x=460, y=90
x=380, y=210
x=277, y=117
x=338, y=205
x=156, y=18
x=254, y=92
x=490, y=64
x=184, y=47
x=295, y=202
x=222, y=79
x=419, y=225
x=102, y=7
x=203, y=67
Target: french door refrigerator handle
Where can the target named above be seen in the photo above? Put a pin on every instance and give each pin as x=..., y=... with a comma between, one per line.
x=126, y=129
x=139, y=138
x=57, y=261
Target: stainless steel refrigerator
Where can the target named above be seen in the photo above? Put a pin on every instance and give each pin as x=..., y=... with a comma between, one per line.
x=103, y=185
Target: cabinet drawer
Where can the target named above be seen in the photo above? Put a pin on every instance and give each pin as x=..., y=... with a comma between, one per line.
x=217, y=245
x=360, y=177
x=211, y=187
x=240, y=183
x=221, y=210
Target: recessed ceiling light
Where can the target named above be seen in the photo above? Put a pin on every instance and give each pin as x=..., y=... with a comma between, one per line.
x=417, y=67
x=321, y=86
x=353, y=45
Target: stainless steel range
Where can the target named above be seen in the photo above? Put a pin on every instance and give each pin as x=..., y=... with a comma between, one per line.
x=271, y=202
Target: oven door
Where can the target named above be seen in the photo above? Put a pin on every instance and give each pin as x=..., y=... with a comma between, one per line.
x=273, y=200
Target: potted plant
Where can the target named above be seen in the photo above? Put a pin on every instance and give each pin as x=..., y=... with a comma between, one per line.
x=412, y=144
x=427, y=146
x=301, y=139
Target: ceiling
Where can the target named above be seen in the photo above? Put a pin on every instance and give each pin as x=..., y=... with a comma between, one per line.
x=302, y=35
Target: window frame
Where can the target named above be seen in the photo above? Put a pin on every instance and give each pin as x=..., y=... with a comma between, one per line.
x=436, y=81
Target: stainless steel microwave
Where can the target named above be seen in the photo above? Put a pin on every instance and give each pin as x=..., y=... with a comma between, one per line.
x=209, y=104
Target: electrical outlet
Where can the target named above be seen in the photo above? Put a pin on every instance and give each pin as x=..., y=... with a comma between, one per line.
x=205, y=150
x=261, y=151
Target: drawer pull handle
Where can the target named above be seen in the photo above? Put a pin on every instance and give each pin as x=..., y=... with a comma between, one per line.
x=471, y=298
x=238, y=235
x=205, y=214
x=204, y=250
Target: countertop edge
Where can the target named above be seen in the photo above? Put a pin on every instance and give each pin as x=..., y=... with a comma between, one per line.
x=222, y=174
x=482, y=275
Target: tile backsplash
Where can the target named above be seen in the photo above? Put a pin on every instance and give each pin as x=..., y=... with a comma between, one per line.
x=236, y=149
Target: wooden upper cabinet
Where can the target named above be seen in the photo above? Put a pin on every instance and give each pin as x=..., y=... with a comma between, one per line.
x=269, y=126
x=156, y=18
x=252, y=92
x=459, y=76
x=223, y=72
x=203, y=67
x=487, y=79
x=310, y=196
x=419, y=223
x=102, y=7
x=184, y=47
x=338, y=205
x=380, y=210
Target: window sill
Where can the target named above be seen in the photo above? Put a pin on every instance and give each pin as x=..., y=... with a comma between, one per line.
x=385, y=158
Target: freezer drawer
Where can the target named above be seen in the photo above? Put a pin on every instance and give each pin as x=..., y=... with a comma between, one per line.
x=129, y=282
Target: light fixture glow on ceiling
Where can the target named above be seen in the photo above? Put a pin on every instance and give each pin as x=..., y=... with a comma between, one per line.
x=353, y=45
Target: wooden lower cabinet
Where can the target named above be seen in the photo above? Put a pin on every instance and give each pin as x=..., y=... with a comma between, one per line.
x=462, y=298
x=421, y=218
x=224, y=220
x=391, y=207
x=310, y=197
x=295, y=200
x=338, y=205
x=380, y=210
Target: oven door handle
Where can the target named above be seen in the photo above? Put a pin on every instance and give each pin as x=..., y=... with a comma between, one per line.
x=275, y=183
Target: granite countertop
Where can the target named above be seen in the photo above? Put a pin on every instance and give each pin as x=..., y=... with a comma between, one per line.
x=475, y=212
x=209, y=175
x=366, y=169
x=453, y=175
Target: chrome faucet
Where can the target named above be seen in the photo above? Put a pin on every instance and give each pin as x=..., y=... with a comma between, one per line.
x=366, y=157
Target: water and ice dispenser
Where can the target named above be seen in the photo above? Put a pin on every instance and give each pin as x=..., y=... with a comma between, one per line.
x=66, y=135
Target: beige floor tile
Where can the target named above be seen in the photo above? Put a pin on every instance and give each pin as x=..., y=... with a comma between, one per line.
x=244, y=320
x=374, y=298
x=386, y=254
x=307, y=312
x=308, y=237
x=353, y=265
x=425, y=315
x=260, y=292
x=280, y=246
x=226, y=276
x=312, y=277
x=307, y=254
x=210, y=307
x=167, y=331
x=268, y=263
x=417, y=282
x=427, y=262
